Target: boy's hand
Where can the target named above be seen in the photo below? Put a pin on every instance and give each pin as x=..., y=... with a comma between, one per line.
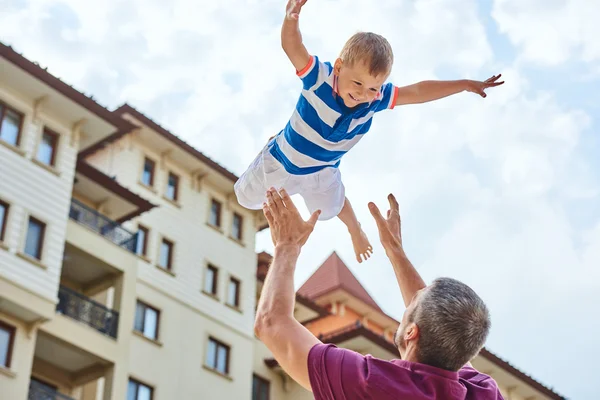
x=293, y=9
x=479, y=87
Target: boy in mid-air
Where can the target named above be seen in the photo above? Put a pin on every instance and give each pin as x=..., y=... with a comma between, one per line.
x=334, y=111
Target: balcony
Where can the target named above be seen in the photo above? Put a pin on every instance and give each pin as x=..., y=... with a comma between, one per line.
x=102, y=225
x=39, y=391
x=85, y=310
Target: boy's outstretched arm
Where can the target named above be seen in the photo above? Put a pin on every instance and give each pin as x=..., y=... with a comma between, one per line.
x=291, y=38
x=426, y=91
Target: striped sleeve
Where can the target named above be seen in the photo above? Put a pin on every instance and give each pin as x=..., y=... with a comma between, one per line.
x=389, y=95
x=312, y=73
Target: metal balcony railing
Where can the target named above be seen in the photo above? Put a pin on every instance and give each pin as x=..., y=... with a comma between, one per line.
x=39, y=391
x=106, y=227
x=83, y=309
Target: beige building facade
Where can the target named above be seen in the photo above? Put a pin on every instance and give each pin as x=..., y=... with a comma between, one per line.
x=128, y=270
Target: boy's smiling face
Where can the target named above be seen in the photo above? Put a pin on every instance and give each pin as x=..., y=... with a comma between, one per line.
x=356, y=85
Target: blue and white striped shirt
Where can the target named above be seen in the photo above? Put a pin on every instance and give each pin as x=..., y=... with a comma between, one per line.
x=322, y=129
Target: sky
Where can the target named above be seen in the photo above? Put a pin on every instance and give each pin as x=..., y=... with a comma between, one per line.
x=502, y=193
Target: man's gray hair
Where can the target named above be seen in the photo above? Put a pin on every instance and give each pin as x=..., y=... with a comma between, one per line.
x=453, y=324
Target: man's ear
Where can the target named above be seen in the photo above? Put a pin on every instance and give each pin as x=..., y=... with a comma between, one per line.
x=412, y=332
x=337, y=66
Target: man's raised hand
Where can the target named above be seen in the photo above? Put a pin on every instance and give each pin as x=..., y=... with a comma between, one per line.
x=390, y=227
x=286, y=223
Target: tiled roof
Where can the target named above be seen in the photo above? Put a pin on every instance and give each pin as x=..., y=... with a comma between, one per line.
x=334, y=274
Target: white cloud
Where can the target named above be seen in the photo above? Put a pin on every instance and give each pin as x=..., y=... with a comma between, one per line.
x=550, y=32
x=485, y=185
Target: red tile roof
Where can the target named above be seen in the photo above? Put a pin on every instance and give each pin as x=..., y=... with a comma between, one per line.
x=334, y=274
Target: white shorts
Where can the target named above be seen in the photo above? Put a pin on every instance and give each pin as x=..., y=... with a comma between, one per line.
x=322, y=190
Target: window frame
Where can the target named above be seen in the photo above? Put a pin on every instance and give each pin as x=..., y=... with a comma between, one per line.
x=256, y=377
x=158, y=316
x=4, y=225
x=219, y=213
x=171, y=244
x=139, y=383
x=175, y=188
x=152, y=172
x=238, y=286
x=40, y=247
x=56, y=138
x=12, y=332
x=218, y=344
x=4, y=106
x=215, y=284
x=145, y=244
x=241, y=226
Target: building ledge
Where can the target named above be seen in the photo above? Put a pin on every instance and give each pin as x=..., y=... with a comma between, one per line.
x=8, y=372
x=32, y=260
x=214, y=371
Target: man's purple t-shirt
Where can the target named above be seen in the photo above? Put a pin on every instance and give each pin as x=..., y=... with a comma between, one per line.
x=341, y=374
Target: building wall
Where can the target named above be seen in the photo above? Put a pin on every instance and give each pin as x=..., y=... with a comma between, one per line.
x=175, y=364
x=29, y=187
x=195, y=243
x=178, y=293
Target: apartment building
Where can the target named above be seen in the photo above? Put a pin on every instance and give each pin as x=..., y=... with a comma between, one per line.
x=128, y=270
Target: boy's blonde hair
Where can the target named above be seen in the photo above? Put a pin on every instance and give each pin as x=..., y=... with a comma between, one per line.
x=372, y=49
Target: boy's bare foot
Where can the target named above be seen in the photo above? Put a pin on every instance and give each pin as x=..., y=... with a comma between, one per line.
x=362, y=247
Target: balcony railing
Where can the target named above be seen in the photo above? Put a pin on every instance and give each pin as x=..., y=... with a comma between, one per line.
x=103, y=225
x=39, y=391
x=88, y=311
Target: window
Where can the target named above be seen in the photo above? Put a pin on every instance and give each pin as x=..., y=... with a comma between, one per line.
x=3, y=219
x=10, y=125
x=166, y=254
x=215, y=213
x=217, y=356
x=210, y=280
x=35, y=238
x=47, y=149
x=233, y=293
x=141, y=245
x=7, y=338
x=172, y=186
x=237, y=226
x=260, y=388
x=148, y=173
x=146, y=320
x=138, y=391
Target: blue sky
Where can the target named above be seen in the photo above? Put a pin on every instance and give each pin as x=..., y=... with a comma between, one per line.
x=502, y=192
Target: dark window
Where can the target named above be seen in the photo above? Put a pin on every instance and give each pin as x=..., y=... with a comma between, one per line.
x=7, y=339
x=47, y=149
x=172, y=186
x=138, y=391
x=166, y=254
x=260, y=388
x=148, y=174
x=3, y=219
x=141, y=246
x=146, y=320
x=35, y=238
x=233, y=293
x=11, y=122
x=217, y=356
x=237, y=226
x=210, y=280
x=215, y=213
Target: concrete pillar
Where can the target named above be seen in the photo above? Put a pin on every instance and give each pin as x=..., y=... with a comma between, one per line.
x=14, y=381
